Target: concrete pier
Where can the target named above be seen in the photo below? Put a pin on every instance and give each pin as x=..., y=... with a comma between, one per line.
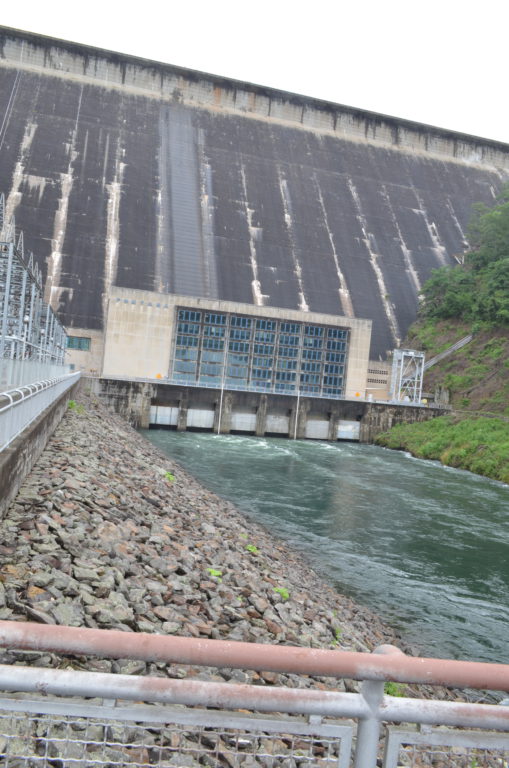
x=167, y=405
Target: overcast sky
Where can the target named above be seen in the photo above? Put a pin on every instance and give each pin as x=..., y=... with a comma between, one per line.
x=441, y=62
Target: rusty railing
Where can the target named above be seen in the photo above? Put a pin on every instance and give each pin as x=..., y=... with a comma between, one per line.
x=68, y=717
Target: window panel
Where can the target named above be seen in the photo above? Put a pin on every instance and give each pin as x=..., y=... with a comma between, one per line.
x=263, y=349
x=208, y=356
x=213, y=344
x=288, y=351
x=78, y=342
x=284, y=339
x=188, y=328
x=265, y=336
x=266, y=325
x=339, y=345
x=240, y=322
x=315, y=343
x=189, y=314
x=239, y=333
x=215, y=319
x=238, y=346
x=187, y=341
x=213, y=330
x=336, y=333
x=186, y=354
x=263, y=362
x=313, y=330
x=237, y=359
x=289, y=328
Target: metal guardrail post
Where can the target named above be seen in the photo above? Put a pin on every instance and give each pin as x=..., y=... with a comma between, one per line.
x=368, y=731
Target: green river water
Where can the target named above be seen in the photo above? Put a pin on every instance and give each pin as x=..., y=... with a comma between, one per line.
x=424, y=546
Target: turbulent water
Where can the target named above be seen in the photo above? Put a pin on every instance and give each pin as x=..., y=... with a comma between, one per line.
x=426, y=547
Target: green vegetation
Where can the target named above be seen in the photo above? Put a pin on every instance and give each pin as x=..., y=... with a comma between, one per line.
x=215, y=574
x=479, y=444
x=394, y=689
x=476, y=291
x=253, y=549
x=472, y=297
x=73, y=406
x=283, y=592
x=169, y=477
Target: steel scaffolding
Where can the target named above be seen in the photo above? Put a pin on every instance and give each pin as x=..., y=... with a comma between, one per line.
x=30, y=330
x=407, y=375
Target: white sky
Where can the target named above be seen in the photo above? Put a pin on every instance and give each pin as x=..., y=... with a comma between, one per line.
x=441, y=62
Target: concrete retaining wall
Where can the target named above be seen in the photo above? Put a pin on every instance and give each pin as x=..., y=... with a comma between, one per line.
x=251, y=412
x=17, y=460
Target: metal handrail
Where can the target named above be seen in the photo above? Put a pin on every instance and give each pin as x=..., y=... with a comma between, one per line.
x=26, y=403
x=390, y=664
x=370, y=707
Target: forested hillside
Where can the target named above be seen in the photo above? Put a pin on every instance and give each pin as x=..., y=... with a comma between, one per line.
x=471, y=297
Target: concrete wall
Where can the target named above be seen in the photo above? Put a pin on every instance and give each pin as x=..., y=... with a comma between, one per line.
x=309, y=417
x=17, y=460
x=129, y=173
x=89, y=361
x=379, y=417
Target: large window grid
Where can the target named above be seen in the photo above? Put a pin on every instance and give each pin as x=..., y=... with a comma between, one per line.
x=259, y=354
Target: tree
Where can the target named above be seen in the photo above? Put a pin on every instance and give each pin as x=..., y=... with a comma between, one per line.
x=479, y=288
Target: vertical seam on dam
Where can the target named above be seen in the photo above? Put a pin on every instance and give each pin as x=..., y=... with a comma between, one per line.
x=374, y=256
x=258, y=296
x=343, y=291
x=53, y=286
x=287, y=206
x=407, y=253
x=114, y=191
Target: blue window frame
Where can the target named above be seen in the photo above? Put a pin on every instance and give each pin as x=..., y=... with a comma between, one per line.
x=188, y=328
x=240, y=333
x=286, y=340
x=240, y=322
x=263, y=362
x=213, y=330
x=78, y=342
x=315, y=343
x=266, y=325
x=336, y=333
x=189, y=314
x=213, y=344
x=263, y=349
x=339, y=345
x=289, y=328
x=288, y=351
x=213, y=319
x=187, y=341
x=238, y=346
x=313, y=330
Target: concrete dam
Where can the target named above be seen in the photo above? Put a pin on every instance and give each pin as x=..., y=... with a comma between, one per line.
x=128, y=173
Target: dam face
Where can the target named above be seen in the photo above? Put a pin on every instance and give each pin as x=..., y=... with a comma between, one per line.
x=129, y=173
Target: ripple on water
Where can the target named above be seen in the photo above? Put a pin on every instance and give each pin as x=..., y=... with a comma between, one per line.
x=426, y=548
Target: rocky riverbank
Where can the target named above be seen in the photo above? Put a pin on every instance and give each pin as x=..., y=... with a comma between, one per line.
x=108, y=532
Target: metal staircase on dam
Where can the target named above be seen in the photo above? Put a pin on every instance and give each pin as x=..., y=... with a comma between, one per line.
x=453, y=348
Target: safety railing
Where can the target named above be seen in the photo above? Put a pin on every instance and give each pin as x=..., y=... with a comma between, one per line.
x=69, y=717
x=18, y=373
x=20, y=407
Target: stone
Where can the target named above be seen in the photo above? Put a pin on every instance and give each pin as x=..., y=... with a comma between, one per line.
x=68, y=614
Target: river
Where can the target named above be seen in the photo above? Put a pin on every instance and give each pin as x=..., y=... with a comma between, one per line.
x=425, y=546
